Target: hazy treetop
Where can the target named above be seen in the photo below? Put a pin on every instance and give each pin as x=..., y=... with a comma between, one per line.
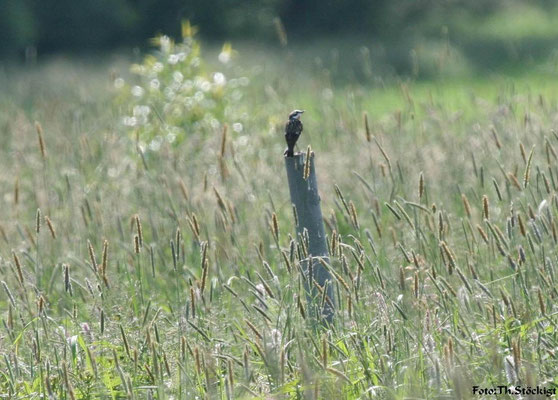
x=81, y=25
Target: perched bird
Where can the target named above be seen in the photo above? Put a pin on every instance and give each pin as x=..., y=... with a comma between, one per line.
x=293, y=129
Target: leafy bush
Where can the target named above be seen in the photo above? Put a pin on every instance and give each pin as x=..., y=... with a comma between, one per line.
x=174, y=95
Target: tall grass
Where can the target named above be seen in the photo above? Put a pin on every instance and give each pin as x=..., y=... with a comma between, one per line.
x=198, y=291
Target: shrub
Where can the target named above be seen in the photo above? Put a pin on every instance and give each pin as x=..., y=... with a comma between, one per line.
x=174, y=95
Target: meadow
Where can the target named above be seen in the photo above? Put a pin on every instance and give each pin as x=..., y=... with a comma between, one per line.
x=148, y=247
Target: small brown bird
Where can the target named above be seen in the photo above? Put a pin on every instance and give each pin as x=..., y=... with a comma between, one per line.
x=293, y=129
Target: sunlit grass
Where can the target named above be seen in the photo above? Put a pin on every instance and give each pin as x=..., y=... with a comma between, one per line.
x=169, y=276
x=518, y=21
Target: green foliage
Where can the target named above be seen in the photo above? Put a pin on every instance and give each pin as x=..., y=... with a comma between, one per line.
x=433, y=296
x=17, y=25
x=175, y=96
x=78, y=25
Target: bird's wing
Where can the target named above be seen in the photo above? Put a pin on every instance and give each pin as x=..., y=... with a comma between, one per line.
x=298, y=126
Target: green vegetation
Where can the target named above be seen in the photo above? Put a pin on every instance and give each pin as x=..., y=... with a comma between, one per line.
x=175, y=97
x=134, y=270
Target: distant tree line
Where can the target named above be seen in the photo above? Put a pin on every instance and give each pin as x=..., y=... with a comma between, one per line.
x=83, y=25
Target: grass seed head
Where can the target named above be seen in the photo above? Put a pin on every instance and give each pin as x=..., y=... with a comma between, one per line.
x=307, y=163
x=421, y=185
x=496, y=138
x=275, y=226
x=466, y=205
x=139, y=230
x=50, y=227
x=485, y=207
x=92, y=256
x=137, y=246
x=527, y=173
x=367, y=128
x=38, y=222
x=42, y=147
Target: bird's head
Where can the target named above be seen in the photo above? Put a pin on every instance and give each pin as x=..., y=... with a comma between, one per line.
x=295, y=114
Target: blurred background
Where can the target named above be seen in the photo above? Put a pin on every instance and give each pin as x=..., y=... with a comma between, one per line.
x=405, y=37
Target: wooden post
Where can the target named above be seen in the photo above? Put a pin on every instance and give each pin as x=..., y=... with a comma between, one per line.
x=306, y=202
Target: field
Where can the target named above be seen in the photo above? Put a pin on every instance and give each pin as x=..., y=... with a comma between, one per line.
x=149, y=253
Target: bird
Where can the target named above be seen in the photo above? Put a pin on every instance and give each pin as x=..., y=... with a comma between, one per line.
x=293, y=129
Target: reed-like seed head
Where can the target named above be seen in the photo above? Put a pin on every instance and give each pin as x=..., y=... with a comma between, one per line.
x=513, y=179
x=9, y=293
x=183, y=189
x=483, y=234
x=496, y=138
x=523, y=153
x=421, y=185
x=42, y=147
x=223, y=141
x=204, y=266
x=16, y=192
x=485, y=207
x=527, y=173
x=67, y=281
x=92, y=256
x=18, y=267
x=139, y=230
x=193, y=302
x=307, y=163
x=451, y=258
x=275, y=226
x=38, y=222
x=466, y=205
x=384, y=154
x=50, y=227
x=367, y=128
x=136, y=244
x=353, y=214
x=521, y=225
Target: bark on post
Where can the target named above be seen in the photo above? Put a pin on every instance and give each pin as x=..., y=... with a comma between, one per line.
x=306, y=201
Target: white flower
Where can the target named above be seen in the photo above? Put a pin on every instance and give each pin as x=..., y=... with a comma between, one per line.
x=154, y=84
x=224, y=57
x=142, y=111
x=129, y=121
x=137, y=91
x=171, y=137
x=205, y=86
x=177, y=76
x=219, y=78
x=118, y=83
x=155, y=144
x=173, y=59
x=165, y=43
x=158, y=67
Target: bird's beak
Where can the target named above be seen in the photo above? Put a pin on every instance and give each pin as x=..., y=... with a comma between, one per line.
x=301, y=111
